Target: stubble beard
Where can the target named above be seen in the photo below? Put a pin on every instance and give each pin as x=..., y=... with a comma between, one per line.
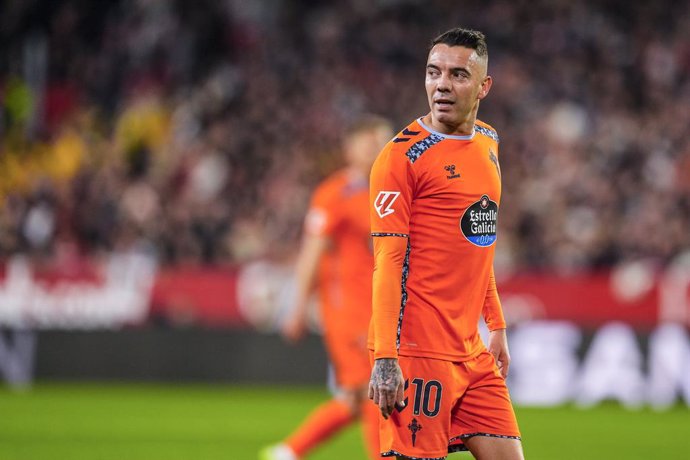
x=447, y=119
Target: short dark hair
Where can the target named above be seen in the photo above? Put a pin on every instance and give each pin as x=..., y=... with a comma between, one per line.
x=468, y=38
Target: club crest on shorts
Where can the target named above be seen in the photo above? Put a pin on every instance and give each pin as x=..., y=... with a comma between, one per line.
x=414, y=427
x=478, y=223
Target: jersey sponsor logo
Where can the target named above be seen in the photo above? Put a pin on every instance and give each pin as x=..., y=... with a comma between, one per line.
x=451, y=172
x=478, y=223
x=384, y=202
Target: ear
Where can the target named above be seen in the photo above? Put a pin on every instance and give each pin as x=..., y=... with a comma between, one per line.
x=486, y=87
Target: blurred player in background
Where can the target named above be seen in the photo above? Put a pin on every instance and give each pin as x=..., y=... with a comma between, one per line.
x=336, y=256
x=435, y=192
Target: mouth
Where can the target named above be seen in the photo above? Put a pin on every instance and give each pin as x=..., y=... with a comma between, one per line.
x=443, y=104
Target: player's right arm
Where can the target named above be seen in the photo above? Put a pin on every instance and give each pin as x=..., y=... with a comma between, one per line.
x=319, y=224
x=387, y=383
x=312, y=249
x=391, y=189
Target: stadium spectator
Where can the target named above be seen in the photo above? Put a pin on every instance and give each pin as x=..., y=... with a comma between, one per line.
x=594, y=115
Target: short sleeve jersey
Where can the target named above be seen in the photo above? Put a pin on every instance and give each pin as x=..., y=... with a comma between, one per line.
x=340, y=210
x=443, y=193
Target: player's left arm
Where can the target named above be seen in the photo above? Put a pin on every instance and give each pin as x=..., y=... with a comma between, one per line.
x=492, y=311
x=493, y=316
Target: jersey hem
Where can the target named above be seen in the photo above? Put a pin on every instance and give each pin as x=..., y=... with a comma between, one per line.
x=429, y=354
x=442, y=356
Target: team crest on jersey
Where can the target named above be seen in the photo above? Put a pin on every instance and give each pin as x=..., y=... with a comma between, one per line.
x=478, y=223
x=384, y=202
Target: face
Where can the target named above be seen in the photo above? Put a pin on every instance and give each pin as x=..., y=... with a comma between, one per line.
x=362, y=148
x=456, y=81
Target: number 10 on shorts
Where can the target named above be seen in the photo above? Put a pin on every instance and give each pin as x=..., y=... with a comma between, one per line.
x=427, y=397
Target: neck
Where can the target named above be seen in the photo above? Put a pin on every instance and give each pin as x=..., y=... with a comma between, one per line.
x=463, y=127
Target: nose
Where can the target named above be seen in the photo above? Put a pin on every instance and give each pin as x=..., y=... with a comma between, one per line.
x=443, y=83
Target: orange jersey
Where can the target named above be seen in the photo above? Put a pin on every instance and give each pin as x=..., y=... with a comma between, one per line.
x=434, y=207
x=340, y=211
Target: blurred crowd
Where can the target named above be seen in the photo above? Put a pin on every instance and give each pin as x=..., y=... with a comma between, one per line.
x=197, y=130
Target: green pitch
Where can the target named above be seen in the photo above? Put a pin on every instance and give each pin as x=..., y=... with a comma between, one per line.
x=98, y=421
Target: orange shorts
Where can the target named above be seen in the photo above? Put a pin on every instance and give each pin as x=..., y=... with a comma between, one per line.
x=348, y=354
x=447, y=402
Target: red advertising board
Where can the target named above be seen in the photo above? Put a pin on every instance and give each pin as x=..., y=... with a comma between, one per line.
x=205, y=296
x=587, y=300
x=129, y=290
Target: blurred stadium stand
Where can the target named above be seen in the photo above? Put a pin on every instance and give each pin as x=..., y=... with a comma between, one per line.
x=156, y=160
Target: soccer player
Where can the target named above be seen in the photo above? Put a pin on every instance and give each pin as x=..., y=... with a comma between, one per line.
x=337, y=247
x=435, y=196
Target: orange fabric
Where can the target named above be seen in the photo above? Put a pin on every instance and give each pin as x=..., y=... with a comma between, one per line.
x=446, y=402
x=441, y=195
x=326, y=420
x=347, y=353
x=389, y=257
x=340, y=211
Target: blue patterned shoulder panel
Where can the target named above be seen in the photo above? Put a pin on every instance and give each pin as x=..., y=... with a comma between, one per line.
x=487, y=132
x=422, y=146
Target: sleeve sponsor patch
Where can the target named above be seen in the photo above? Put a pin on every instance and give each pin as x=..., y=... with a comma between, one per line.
x=384, y=202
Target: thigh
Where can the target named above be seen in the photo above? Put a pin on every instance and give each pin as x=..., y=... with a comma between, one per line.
x=487, y=448
x=421, y=429
x=485, y=410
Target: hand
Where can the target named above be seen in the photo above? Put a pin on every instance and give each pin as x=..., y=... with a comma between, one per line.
x=294, y=328
x=498, y=346
x=386, y=386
